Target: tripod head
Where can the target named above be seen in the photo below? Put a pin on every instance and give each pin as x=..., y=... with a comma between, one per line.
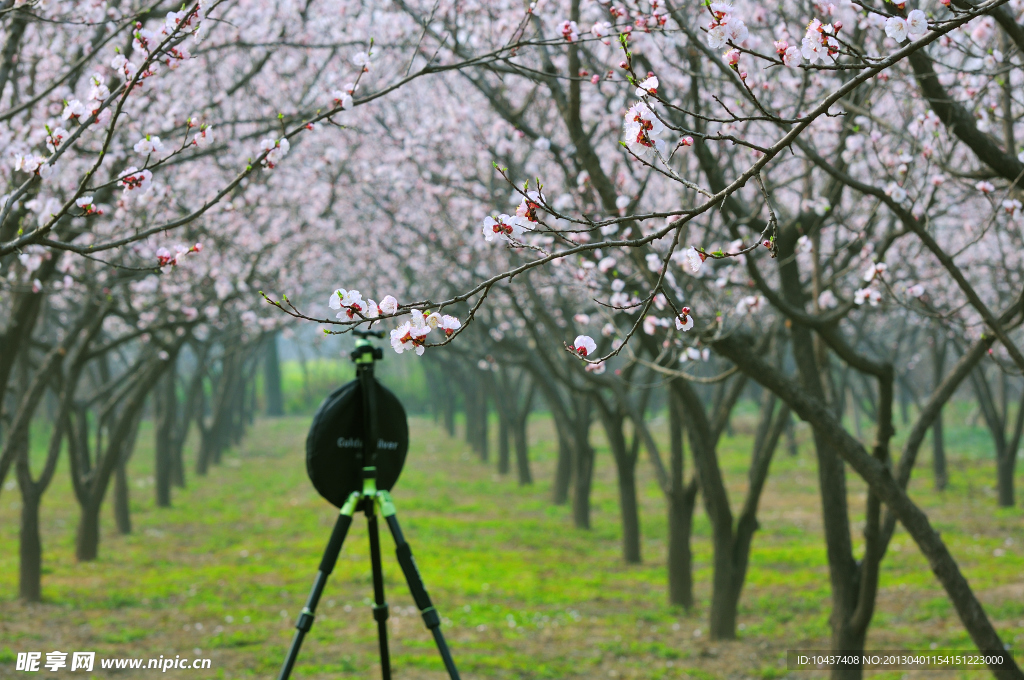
x=359, y=433
x=365, y=352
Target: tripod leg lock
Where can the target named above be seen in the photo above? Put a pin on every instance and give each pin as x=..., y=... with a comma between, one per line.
x=431, y=618
x=380, y=612
x=305, y=621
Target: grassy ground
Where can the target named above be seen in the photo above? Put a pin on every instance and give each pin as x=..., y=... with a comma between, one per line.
x=224, y=572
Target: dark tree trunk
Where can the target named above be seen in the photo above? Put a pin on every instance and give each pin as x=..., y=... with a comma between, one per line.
x=583, y=464
x=30, y=547
x=791, y=444
x=522, y=446
x=630, y=510
x=1007, y=463
x=166, y=406
x=217, y=436
x=680, y=557
x=484, y=432
x=194, y=408
x=122, y=514
x=91, y=486
x=503, y=396
x=582, y=476
x=726, y=575
x=206, y=445
x=23, y=311
x=682, y=499
x=239, y=411
x=475, y=397
x=471, y=407
x=252, y=404
x=904, y=406
x=843, y=568
x=939, y=472
x=449, y=409
x=87, y=540
x=613, y=421
x=178, y=460
x=504, y=452
x=939, y=455
x=563, y=466
x=122, y=507
x=272, y=379
x=1005, y=444
x=1005, y=468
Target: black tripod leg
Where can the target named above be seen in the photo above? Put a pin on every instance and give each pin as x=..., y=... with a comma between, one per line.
x=330, y=557
x=380, y=607
x=419, y=591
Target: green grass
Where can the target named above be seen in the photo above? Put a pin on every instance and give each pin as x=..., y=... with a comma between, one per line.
x=523, y=594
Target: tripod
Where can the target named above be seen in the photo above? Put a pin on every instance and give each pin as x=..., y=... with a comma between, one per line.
x=371, y=501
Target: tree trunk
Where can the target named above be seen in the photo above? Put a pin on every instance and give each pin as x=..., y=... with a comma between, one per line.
x=791, y=444
x=1005, y=467
x=680, y=557
x=272, y=379
x=215, y=438
x=122, y=514
x=166, y=405
x=716, y=503
x=484, y=432
x=582, y=476
x=87, y=540
x=630, y=510
x=449, y=409
x=522, y=445
x=939, y=455
x=682, y=499
x=625, y=467
x=563, y=467
x=940, y=474
x=125, y=448
x=30, y=548
x=724, y=599
x=178, y=459
x=504, y=454
x=471, y=407
x=206, y=444
x=583, y=465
